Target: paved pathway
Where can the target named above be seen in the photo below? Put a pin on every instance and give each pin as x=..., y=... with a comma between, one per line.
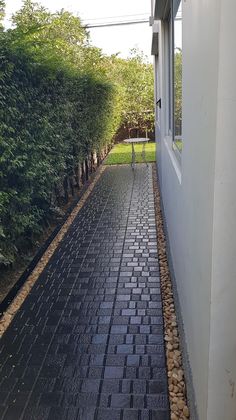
x=88, y=341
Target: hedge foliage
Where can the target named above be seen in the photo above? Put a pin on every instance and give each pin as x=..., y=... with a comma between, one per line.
x=59, y=104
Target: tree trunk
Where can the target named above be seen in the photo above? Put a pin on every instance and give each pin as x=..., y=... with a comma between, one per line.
x=77, y=176
x=92, y=162
x=82, y=173
x=71, y=183
x=86, y=169
x=65, y=187
x=98, y=160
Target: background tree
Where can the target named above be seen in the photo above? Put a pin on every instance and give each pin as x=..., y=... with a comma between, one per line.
x=134, y=77
x=178, y=93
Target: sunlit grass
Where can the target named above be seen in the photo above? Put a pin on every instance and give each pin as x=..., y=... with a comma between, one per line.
x=179, y=145
x=122, y=153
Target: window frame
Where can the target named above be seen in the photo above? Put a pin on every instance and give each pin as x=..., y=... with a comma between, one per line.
x=170, y=68
x=170, y=121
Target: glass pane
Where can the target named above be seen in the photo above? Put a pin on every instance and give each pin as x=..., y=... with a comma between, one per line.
x=170, y=76
x=178, y=76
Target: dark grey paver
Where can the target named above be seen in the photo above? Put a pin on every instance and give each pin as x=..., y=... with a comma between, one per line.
x=88, y=341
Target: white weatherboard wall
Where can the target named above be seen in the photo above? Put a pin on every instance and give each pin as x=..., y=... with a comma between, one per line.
x=199, y=198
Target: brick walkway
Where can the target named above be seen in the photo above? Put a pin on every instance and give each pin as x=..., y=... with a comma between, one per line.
x=88, y=341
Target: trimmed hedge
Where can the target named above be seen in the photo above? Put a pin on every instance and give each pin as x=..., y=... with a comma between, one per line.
x=54, y=120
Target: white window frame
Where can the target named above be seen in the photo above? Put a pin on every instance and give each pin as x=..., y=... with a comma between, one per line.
x=170, y=89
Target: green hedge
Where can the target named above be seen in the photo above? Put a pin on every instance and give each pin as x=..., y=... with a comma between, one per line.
x=52, y=118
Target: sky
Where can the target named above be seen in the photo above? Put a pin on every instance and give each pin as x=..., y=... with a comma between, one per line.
x=112, y=39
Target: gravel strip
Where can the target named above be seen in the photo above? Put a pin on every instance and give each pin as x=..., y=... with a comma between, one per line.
x=24, y=291
x=176, y=381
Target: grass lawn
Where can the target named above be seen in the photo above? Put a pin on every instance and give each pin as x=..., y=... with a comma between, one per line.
x=179, y=145
x=122, y=153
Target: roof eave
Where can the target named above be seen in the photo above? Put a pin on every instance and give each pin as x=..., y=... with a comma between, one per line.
x=161, y=9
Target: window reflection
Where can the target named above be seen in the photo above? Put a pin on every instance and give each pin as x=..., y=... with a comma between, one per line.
x=177, y=22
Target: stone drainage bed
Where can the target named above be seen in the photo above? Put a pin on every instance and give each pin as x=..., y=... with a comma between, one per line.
x=176, y=382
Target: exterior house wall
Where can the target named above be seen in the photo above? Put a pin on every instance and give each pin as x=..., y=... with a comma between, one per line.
x=199, y=199
x=222, y=366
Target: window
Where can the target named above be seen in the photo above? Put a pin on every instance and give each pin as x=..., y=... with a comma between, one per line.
x=174, y=73
x=170, y=75
x=177, y=73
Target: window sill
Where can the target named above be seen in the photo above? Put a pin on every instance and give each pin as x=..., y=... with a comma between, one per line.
x=177, y=152
x=175, y=156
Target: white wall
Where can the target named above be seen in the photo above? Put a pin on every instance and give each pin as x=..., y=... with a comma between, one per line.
x=222, y=367
x=199, y=198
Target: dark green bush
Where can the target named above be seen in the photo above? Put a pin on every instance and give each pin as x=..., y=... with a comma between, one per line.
x=51, y=119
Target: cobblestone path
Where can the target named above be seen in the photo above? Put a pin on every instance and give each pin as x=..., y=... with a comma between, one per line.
x=87, y=342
